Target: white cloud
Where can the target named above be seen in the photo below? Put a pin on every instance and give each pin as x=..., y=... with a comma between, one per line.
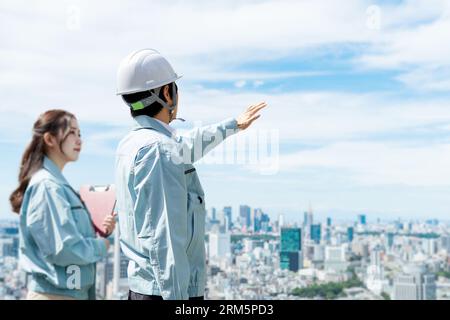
x=413, y=40
x=375, y=163
x=428, y=79
x=240, y=83
x=257, y=83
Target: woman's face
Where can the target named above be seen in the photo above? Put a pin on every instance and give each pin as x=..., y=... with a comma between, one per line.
x=71, y=147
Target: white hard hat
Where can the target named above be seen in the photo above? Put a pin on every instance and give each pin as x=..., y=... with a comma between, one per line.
x=144, y=70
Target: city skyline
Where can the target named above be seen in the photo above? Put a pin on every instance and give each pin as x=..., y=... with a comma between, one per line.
x=400, y=261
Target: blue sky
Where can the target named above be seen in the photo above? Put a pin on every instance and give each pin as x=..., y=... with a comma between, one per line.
x=358, y=92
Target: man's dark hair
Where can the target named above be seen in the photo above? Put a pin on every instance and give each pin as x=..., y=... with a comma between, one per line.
x=153, y=109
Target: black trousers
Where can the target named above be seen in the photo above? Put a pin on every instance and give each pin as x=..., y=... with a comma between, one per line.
x=137, y=296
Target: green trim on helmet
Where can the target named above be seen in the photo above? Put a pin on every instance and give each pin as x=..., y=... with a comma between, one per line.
x=137, y=105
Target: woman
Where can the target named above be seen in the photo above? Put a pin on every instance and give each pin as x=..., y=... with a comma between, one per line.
x=58, y=243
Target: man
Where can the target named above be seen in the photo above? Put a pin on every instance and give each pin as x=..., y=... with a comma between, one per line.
x=160, y=199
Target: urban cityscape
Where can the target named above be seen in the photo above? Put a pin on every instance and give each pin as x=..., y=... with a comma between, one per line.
x=251, y=256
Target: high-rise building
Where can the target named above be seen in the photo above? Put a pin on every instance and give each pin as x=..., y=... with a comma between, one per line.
x=415, y=284
x=390, y=239
x=335, y=258
x=244, y=214
x=213, y=213
x=290, y=249
x=445, y=243
x=265, y=223
x=308, y=220
x=256, y=220
x=430, y=246
x=328, y=222
x=219, y=244
x=362, y=219
x=228, y=214
x=316, y=232
x=9, y=247
x=350, y=234
x=375, y=279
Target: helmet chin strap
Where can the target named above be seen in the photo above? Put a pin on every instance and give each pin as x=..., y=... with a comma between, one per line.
x=154, y=97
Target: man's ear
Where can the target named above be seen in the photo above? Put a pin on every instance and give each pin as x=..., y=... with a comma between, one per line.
x=49, y=140
x=166, y=93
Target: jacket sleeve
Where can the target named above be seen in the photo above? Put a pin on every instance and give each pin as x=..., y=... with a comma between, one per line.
x=161, y=218
x=199, y=141
x=52, y=226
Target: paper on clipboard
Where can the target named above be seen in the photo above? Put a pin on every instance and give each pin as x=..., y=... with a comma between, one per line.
x=100, y=201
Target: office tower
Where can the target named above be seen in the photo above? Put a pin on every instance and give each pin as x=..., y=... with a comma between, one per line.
x=335, y=258
x=265, y=223
x=308, y=220
x=445, y=243
x=291, y=249
x=228, y=214
x=256, y=220
x=390, y=239
x=213, y=214
x=316, y=233
x=375, y=279
x=328, y=235
x=328, y=222
x=350, y=234
x=244, y=214
x=219, y=244
x=9, y=247
x=280, y=221
x=362, y=219
x=415, y=284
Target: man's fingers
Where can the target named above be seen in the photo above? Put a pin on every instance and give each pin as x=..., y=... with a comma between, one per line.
x=254, y=106
x=254, y=118
x=257, y=108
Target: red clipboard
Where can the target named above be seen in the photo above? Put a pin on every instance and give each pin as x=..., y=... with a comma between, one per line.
x=100, y=201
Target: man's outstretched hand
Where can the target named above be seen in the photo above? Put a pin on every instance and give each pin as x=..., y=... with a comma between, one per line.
x=249, y=115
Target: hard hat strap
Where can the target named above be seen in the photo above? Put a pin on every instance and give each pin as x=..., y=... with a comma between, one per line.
x=141, y=104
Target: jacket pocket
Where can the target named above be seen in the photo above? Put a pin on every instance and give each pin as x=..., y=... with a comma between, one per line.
x=196, y=213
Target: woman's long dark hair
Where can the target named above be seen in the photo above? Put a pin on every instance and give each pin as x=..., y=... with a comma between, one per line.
x=57, y=123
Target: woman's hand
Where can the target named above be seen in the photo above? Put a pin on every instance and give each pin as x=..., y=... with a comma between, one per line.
x=250, y=115
x=109, y=224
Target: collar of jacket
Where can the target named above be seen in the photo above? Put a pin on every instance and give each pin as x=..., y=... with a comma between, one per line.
x=150, y=123
x=53, y=169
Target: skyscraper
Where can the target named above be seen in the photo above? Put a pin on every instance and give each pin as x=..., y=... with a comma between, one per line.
x=362, y=219
x=350, y=234
x=307, y=222
x=316, y=233
x=390, y=239
x=244, y=214
x=256, y=220
x=213, y=213
x=228, y=213
x=290, y=249
x=219, y=244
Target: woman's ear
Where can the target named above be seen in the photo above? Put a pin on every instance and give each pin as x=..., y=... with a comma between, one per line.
x=49, y=140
